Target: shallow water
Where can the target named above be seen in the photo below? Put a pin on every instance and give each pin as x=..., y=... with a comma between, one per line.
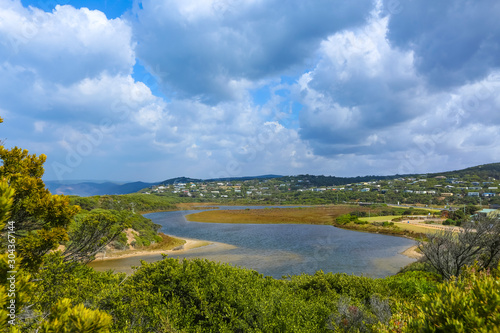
x=280, y=249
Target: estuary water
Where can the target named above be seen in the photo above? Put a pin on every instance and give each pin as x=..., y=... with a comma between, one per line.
x=279, y=249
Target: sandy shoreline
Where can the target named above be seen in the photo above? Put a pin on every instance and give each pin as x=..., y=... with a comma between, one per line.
x=412, y=253
x=189, y=245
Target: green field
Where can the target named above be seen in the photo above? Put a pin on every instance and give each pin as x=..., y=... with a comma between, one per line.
x=414, y=228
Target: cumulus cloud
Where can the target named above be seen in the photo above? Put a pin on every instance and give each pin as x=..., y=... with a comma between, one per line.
x=66, y=84
x=359, y=88
x=366, y=97
x=209, y=49
x=66, y=45
x=455, y=42
x=252, y=87
x=65, y=64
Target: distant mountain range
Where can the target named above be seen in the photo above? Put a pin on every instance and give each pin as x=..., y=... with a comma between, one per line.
x=88, y=188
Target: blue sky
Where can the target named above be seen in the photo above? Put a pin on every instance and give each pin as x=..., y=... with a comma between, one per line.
x=149, y=90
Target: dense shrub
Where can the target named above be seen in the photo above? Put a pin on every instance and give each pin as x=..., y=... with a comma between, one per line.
x=358, y=213
x=135, y=202
x=203, y=296
x=470, y=304
x=121, y=242
x=346, y=218
x=449, y=222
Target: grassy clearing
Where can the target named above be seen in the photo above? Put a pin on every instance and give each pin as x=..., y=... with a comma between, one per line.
x=402, y=225
x=433, y=208
x=416, y=228
x=393, y=229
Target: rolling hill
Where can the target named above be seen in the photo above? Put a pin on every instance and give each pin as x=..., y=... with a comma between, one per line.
x=88, y=188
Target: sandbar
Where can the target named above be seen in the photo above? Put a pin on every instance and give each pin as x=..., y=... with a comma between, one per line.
x=189, y=245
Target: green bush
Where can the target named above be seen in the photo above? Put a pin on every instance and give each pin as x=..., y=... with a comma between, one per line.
x=468, y=304
x=135, y=202
x=140, y=242
x=346, y=218
x=202, y=296
x=383, y=224
x=358, y=213
x=412, y=285
x=121, y=242
x=449, y=222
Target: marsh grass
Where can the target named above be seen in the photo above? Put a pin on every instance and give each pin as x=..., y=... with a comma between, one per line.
x=319, y=215
x=303, y=215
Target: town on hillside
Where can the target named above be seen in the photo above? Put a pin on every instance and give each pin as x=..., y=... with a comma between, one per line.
x=425, y=190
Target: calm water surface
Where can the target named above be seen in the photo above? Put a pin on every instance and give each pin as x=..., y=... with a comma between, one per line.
x=280, y=249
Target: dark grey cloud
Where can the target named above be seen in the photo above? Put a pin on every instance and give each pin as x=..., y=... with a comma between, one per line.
x=454, y=42
x=367, y=97
x=204, y=51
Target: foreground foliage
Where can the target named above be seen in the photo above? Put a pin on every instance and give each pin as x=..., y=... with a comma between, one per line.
x=470, y=304
x=38, y=220
x=202, y=296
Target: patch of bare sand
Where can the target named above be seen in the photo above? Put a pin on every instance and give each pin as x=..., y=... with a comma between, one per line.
x=131, y=233
x=411, y=252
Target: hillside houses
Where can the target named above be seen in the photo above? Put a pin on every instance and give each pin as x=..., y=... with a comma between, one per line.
x=424, y=189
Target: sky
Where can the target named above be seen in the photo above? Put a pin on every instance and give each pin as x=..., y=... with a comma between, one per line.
x=150, y=90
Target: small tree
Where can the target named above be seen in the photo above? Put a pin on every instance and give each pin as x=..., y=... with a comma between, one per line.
x=477, y=241
x=38, y=219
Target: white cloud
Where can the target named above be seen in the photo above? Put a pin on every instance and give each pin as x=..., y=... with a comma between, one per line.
x=68, y=74
x=364, y=102
x=65, y=64
x=206, y=49
x=366, y=97
x=67, y=45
